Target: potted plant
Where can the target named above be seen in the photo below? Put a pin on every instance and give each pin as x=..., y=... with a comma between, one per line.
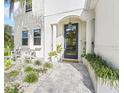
x=53, y=56
x=59, y=51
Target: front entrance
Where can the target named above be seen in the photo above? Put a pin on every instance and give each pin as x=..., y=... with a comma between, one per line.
x=71, y=41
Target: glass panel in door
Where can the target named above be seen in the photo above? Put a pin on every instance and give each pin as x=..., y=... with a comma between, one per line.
x=71, y=41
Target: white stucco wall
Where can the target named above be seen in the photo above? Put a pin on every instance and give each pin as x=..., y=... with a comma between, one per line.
x=29, y=21
x=38, y=7
x=54, y=19
x=54, y=11
x=26, y=22
x=58, y=6
x=107, y=31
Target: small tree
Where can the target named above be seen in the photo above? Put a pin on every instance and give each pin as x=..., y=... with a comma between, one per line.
x=8, y=37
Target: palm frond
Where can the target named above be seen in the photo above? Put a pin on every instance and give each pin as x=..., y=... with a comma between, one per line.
x=11, y=8
x=11, y=2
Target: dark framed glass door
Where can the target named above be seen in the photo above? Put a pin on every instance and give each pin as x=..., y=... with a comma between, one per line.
x=71, y=41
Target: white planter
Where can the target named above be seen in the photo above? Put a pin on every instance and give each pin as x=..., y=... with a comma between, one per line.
x=54, y=59
x=98, y=84
x=91, y=73
x=103, y=88
x=59, y=57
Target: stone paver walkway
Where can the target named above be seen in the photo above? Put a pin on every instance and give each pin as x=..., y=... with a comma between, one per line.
x=66, y=78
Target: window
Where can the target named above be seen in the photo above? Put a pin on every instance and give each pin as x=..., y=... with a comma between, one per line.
x=28, y=5
x=24, y=37
x=37, y=37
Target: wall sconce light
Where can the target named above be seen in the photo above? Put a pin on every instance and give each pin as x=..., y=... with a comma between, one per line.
x=92, y=44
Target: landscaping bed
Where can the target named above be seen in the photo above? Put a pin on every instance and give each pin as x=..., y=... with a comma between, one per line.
x=104, y=78
x=21, y=75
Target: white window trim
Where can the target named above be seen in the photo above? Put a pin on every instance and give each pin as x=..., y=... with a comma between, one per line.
x=27, y=37
x=25, y=8
x=40, y=37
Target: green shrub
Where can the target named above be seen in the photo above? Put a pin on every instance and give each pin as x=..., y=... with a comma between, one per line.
x=28, y=69
x=31, y=77
x=47, y=65
x=58, y=48
x=7, y=51
x=8, y=63
x=13, y=89
x=37, y=62
x=52, y=53
x=13, y=73
x=101, y=68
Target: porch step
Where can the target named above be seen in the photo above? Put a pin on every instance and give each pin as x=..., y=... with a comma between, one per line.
x=70, y=60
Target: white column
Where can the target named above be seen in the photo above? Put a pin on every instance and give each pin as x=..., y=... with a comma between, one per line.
x=88, y=36
x=88, y=16
x=54, y=30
